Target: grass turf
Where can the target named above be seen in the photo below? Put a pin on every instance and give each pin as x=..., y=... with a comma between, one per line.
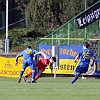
x=50, y=89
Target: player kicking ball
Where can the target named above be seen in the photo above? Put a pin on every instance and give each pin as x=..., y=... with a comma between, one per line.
x=85, y=55
x=28, y=55
x=41, y=65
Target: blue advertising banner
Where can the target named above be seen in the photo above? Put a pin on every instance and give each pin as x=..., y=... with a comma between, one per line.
x=66, y=51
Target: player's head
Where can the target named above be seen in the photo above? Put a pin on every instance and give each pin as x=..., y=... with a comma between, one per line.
x=53, y=59
x=29, y=47
x=86, y=45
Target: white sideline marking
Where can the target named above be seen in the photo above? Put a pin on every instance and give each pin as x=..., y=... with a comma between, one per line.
x=44, y=89
x=36, y=89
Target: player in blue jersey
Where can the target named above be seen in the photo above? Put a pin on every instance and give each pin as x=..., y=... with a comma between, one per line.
x=28, y=55
x=85, y=55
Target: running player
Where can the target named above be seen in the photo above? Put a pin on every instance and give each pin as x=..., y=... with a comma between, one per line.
x=28, y=55
x=85, y=55
x=42, y=64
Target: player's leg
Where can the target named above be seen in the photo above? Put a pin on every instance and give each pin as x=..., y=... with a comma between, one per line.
x=38, y=75
x=76, y=77
x=29, y=74
x=24, y=66
x=33, y=68
x=33, y=76
x=77, y=72
x=20, y=75
x=40, y=70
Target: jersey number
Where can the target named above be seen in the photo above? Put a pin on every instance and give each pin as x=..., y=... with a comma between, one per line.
x=86, y=55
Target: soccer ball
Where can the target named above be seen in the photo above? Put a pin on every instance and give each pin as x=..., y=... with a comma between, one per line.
x=28, y=80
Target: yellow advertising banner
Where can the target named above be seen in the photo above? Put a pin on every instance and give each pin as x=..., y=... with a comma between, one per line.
x=66, y=66
x=8, y=68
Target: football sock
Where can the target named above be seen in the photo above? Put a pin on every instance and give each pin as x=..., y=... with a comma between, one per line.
x=33, y=75
x=36, y=77
x=76, y=77
x=29, y=74
x=21, y=74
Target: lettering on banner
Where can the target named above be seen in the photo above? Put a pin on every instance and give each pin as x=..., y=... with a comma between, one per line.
x=11, y=73
x=48, y=51
x=8, y=65
x=98, y=66
x=66, y=67
x=65, y=51
x=68, y=52
x=88, y=17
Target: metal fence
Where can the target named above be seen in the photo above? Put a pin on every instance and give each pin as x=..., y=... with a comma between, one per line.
x=16, y=17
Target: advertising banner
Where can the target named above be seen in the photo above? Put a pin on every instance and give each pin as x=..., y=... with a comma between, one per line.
x=66, y=59
x=89, y=16
x=67, y=66
x=8, y=68
x=66, y=62
x=65, y=52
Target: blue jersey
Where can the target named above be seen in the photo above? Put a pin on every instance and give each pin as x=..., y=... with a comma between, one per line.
x=85, y=55
x=28, y=54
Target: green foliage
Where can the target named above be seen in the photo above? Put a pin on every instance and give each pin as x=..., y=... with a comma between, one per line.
x=43, y=17
x=21, y=38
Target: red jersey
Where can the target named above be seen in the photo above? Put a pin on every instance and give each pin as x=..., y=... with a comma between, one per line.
x=43, y=62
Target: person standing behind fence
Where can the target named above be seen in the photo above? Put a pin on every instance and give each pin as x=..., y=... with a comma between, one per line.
x=85, y=55
x=28, y=55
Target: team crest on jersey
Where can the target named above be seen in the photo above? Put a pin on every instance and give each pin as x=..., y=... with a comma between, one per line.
x=28, y=51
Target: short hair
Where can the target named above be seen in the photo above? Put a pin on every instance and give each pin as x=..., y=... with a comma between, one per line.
x=54, y=59
x=29, y=47
x=86, y=44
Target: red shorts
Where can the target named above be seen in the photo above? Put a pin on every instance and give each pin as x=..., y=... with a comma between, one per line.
x=40, y=66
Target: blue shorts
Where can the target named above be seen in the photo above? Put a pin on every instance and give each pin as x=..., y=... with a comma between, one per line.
x=82, y=67
x=30, y=63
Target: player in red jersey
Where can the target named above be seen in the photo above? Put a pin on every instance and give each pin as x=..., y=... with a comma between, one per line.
x=41, y=64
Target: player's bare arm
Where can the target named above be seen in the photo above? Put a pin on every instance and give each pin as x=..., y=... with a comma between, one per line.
x=92, y=61
x=76, y=58
x=38, y=53
x=16, y=63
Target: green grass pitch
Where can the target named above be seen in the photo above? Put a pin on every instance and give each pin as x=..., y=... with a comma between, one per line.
x=50, y=89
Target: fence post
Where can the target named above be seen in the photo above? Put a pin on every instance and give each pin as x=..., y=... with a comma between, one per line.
x=68, y=32
x=55, y=52
x=52, y=40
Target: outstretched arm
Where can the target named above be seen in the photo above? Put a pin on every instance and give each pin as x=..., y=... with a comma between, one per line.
x=76, y=58
x=92, y=61
x=42, y=54
x=38, y=53
x=17, y=60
